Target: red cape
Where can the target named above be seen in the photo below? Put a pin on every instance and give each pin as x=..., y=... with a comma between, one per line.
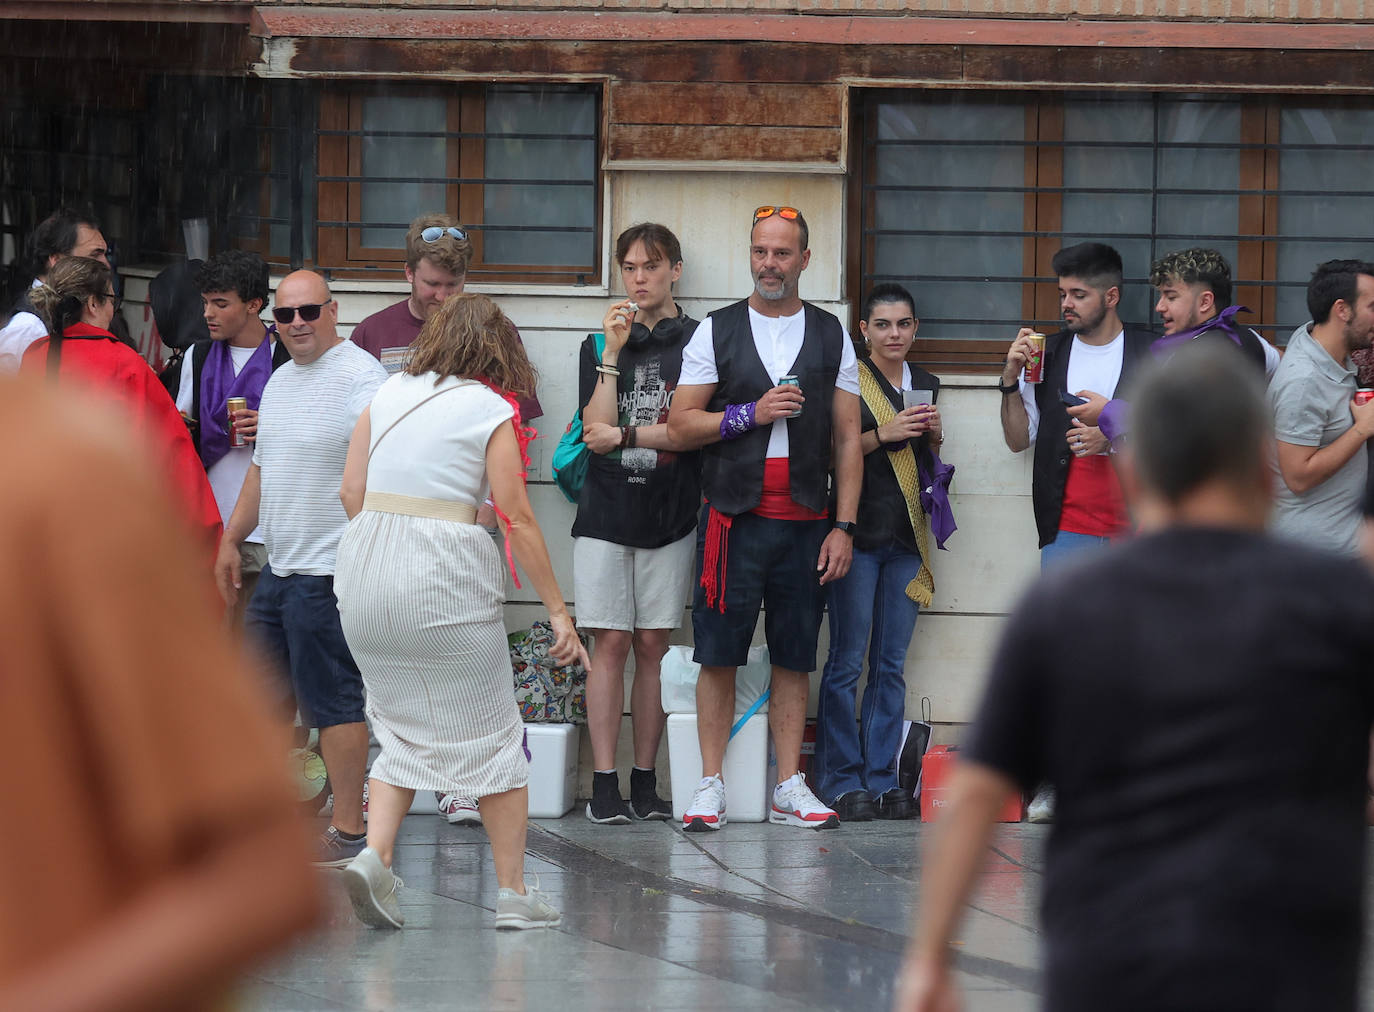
x=93, y=358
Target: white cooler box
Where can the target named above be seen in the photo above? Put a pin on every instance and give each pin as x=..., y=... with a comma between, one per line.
x=553, y=769
x=745, y=771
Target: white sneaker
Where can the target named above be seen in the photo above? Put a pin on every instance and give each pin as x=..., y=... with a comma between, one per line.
x=795, y=805
x=1041, y=808
x=372, y=888
x=516, y=912
x=707, y=809
x=459, y=811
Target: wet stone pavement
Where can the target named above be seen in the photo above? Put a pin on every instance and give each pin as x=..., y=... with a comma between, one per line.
x=753, y=917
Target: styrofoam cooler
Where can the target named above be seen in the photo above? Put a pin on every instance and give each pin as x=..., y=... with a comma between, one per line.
x=745, y=770
x=553, y=769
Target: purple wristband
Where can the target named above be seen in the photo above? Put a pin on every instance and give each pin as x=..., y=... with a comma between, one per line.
x=739, y=419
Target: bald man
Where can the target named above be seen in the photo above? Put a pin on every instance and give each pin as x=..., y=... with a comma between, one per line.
x=309, y=408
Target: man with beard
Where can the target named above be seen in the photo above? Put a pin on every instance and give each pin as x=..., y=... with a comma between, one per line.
x=769, y=389
x=1075, y=492
x=1320, y=430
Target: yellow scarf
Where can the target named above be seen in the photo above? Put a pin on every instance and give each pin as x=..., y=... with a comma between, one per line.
x=903, y=461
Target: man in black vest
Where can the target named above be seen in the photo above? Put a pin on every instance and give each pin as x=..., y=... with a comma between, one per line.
x=769, y=388
x=1075, y=492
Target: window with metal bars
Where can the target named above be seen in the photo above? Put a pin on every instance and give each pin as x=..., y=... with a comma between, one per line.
x=965, y=197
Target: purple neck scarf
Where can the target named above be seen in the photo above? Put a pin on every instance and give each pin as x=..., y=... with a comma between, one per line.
x=218, y=383
x=1225, y=321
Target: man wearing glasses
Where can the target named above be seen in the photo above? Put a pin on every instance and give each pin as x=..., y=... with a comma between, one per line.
x=308, y=411
x=65, y=232
x=770, y=390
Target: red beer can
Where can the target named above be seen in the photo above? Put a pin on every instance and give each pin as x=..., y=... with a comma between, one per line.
x=1035, y=364
x=1364, y=395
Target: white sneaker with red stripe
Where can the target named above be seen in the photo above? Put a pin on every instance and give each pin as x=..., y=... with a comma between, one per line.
x=795, y=805
x=707, y=808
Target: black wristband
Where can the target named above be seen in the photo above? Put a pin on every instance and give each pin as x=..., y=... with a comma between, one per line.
x=1013, y=388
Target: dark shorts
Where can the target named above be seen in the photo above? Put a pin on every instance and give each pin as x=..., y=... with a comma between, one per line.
x=295, y=620
x=770, y=563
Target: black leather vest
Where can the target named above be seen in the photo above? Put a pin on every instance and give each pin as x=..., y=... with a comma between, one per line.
x=732, y=471
x=1050, y=469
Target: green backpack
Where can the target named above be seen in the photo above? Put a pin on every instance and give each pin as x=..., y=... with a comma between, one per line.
x=571, y=457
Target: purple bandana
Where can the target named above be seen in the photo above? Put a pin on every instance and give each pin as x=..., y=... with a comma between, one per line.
x=218, y=383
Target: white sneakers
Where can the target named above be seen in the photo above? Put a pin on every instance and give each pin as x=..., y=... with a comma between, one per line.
x=517, y=913
x=372, y=888
x=795, y=805
x=707, y=810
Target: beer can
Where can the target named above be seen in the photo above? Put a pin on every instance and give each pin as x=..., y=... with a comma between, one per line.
x=236, y=404
x=791, y=378
x=1364, y=395
x=1035, y=364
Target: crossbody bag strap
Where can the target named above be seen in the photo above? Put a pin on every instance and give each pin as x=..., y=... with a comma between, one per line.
x=413, y=407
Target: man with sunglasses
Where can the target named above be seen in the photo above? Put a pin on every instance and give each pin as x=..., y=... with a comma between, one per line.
x=770, y=390
x=65, y=232
x=236, y=361
x=309, y=409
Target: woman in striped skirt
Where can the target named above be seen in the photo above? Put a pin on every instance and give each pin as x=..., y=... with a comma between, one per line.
x=421, y=589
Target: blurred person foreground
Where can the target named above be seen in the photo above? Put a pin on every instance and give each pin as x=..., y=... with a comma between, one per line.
x=152, y=841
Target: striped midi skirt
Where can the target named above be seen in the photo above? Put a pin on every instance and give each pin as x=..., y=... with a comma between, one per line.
x=420, y=601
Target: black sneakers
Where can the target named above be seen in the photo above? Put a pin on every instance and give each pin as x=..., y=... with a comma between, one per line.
x=607, y=807
x=645, y=804
x=896, y=804
x=855, y=806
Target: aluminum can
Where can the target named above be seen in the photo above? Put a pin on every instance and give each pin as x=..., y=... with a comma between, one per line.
x=1364, y=395
x=1035, y=364
x=791, y=378
x=236, y=404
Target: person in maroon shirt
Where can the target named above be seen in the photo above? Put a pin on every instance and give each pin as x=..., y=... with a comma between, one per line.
x=438, y=251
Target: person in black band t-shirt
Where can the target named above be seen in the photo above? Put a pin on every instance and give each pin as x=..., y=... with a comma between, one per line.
x=636, y=516
x=1201, y=697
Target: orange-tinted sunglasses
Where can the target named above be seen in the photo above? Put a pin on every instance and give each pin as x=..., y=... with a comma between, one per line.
x=768, y=210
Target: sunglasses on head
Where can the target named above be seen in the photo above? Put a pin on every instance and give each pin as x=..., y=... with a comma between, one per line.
x=768, y=210
x=310, y=313
x=436, y=232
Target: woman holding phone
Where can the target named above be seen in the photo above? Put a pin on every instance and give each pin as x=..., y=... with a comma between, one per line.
x=876, y=604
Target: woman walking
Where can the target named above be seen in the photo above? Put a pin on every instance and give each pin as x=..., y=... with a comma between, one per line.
x=421, y=588
x=876, y=603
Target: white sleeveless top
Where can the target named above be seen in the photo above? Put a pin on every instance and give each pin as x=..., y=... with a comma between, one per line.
x=439, y=450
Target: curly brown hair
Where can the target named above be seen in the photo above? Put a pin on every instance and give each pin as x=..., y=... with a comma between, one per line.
x=470, y=337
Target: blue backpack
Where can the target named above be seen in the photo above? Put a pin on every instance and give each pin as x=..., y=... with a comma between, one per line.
x=571, y=456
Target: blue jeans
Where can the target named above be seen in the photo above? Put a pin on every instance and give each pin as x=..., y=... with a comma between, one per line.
x=871, y=599
x=1068, y=547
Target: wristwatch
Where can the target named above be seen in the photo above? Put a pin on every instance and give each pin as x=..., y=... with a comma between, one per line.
x=1014, y=387
x=847, y=526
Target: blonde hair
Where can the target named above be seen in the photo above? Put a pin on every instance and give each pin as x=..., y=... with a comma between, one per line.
x=71, y=281
x=471, y=338
x=445, y=252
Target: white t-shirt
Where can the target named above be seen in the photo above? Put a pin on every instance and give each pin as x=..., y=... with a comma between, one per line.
x=226, y=474
x=1095, y=367
x=306, y=421
x=778, y=340
x=22, y=330
x=438, y=450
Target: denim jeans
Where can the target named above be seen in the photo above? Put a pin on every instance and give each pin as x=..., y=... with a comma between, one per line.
x=1069, y=547
x=871, y=599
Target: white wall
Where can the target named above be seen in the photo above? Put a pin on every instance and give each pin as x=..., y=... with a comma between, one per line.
x=989, y=560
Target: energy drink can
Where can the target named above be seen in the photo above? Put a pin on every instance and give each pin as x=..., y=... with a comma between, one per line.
x=236, y=404
x=1035, y=364
x=790, y=378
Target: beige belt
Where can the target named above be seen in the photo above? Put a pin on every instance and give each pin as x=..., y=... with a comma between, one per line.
x=415, y=506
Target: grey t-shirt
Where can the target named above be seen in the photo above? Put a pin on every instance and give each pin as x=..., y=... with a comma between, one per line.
x=1310, y=397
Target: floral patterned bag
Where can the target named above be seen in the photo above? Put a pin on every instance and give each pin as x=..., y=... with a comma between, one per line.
x=547, y=693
